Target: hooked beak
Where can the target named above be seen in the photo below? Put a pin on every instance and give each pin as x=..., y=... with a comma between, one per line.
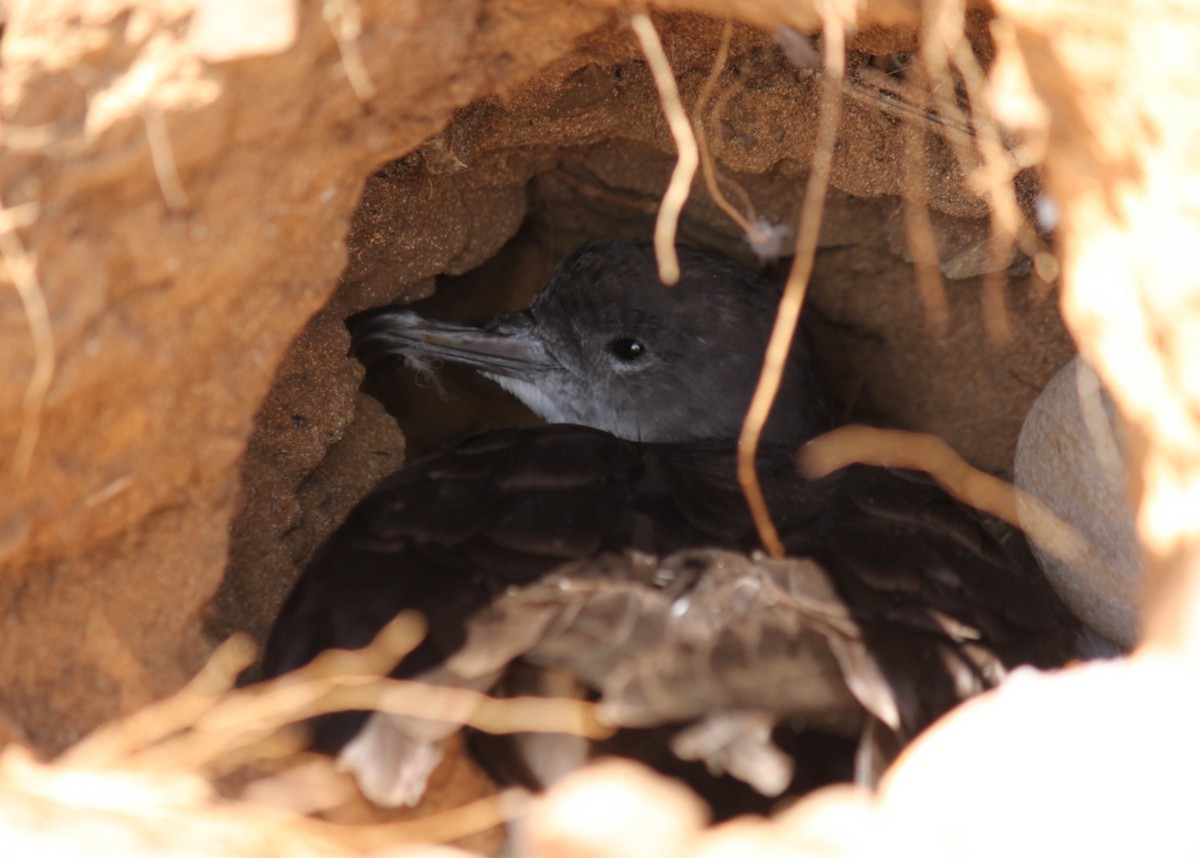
x=507, y=347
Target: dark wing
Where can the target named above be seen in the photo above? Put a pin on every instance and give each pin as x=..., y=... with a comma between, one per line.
x=526, y=541
x=947, y=598
x=447, y=534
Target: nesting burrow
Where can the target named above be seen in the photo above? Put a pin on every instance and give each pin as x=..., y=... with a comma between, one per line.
x=511, y=185
x=197, y=197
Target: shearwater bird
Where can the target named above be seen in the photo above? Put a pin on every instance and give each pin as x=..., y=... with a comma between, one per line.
x=614, y=543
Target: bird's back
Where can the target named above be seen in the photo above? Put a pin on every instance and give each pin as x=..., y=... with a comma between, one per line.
x=938, y=599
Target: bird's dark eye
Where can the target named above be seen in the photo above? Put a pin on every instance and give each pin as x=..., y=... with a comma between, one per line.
x=627, y=348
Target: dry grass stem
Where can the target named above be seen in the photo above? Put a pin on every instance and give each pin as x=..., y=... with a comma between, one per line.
x=788, y=315
x=893, y=448
x=676, y=195
x=22, y=273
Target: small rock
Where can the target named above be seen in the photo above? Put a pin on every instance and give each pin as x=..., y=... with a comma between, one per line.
x=1071, y=456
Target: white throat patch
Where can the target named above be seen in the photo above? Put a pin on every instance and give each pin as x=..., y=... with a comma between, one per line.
x=534, y=398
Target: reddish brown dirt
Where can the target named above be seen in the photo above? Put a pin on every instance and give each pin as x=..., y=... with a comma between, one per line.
x=183, y=181
x=200, y=377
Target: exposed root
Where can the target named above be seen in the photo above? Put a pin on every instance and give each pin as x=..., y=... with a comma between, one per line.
x=893, y=448
x=987, y=161
x=447, y=825
x=153, y=770
x=163, y=158
x=987, y=164
x=748, y=223
x=918, y=227
x=22, y=272
x=807, y=235
x=205, y=722
x=685, y=141
x=345, y=22
x=109, y=491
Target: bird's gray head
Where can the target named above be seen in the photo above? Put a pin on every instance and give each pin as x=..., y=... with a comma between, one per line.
x=606, y=344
